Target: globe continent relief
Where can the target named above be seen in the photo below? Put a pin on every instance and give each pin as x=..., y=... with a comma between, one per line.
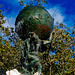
x=34, y=19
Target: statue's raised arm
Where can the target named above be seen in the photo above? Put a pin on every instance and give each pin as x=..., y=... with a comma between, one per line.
x=34, y=25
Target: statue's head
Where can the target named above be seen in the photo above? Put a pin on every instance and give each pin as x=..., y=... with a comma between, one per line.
x=34, y=19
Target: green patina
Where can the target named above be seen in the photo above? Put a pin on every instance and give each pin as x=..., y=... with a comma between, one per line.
x=38, y=20
x=35, y=19
x=29, y=57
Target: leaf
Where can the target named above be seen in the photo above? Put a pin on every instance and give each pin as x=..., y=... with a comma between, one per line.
x=26, y=5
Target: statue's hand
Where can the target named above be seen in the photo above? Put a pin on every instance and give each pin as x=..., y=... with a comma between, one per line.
x=50, y=39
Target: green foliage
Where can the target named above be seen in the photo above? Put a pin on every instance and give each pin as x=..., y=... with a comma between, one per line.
x=9, y=55
x=27, y=3
x=61, y=62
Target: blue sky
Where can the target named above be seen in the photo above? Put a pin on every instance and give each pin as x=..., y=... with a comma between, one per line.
x=63, y=11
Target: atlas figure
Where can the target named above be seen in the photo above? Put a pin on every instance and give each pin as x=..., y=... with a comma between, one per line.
x=29, y=57
x=34, y=26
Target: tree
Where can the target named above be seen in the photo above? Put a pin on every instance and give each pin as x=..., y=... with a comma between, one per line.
x=27, y=3
x=10, y=50
x=61, y=62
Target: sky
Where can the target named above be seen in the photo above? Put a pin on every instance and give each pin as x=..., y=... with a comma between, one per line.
x=63, y=11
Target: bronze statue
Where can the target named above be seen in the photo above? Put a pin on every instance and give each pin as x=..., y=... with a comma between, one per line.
x=29, y=59
x=34, y=25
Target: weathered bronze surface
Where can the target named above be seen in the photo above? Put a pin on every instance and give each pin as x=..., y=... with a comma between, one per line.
x=33, y=25
x=34, y=19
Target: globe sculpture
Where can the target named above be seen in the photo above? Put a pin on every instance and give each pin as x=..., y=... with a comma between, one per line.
x=34, y=19
x=33, y=25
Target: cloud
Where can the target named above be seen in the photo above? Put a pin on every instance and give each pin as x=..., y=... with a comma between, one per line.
x=9, y=22
x=57, y=14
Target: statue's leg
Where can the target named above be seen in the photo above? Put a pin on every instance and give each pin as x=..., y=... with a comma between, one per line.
x=34, y=59
x=39, y=67
x=35, y=62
